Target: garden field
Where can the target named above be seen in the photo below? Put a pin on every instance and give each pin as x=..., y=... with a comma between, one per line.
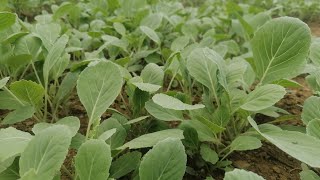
x=159, y=89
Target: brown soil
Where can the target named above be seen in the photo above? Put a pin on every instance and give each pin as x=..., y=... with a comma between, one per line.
x=315, y=28
x=269, y=162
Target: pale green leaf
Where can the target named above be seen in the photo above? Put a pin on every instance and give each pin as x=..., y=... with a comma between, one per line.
x=118, y=138
x=149, y=140
x=97, y=87
x=179, y=43
x=27, y=45
x=315, y=52
x=7, y=19
x=107, y=134
x=170, y=102
x=152, y=74
x=8, y=101
x=93, y=160
x=150, y=33
x=208, y=154
x=54, y=55
x=151, y=88
x=12, y=172
x=3, y=82
x=277, y=53
x=171, y=161
x=48, y=33
x=120, y=28
x=125, y=164
x=311, y=109
x=163, y=114
x=28, y=91
x=19, y=115
x=303, y=147
x=152, y=21
x=46, y=152
x=287, y=83
x=313, y=128
x=308, y=175
x=263, y=97
x=13, y=142
x=245, y=143
x=72, y=122
x=240, y=174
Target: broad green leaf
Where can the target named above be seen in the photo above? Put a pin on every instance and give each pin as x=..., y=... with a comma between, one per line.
x=118, y=138
x=77, y=141
x=245, y=143
x=287, y=83
x=72, y=122
x=208, y=154
x=179, y=43
x=107, y=134
x=3, y=82
x=313, y=81
x=207, y=67
x=60, y=66
x=151, y=34
x=313, y=128
x=205, y=134
x=66, y=86
x=46, y=152
x=211, y=125
x=171, y=161
x=151, y=88
x=311, y=109
x=240, y=174
x=308, y=175
x=97, y=87
x=8, y=101
x=149, y=140
x=139, y=99
x=48, y=33
x=93, y=160
x=152, y=74
x=28, y=91
x=19, y=115
x=163, y=114
x=303, y=147
x=170, y=102
x=120, y=28
x=125, y=164
x=6, y=20
x=191, y=139
x=276, y=51
x=152, y=21
x=203, y=68
x=54, y=55
x=263, y=97
x=12, y=172
x=315, y=53
x=27, y=45
x=6, y=164
x=13, y=142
